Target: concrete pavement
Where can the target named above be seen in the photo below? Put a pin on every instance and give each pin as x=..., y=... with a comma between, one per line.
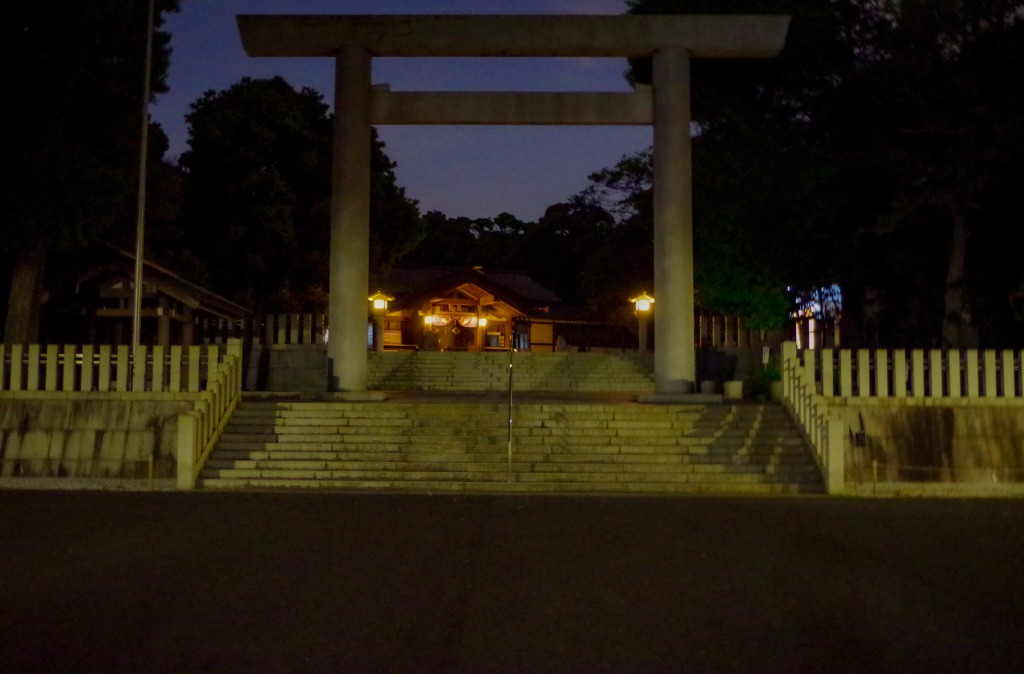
x=274, y=582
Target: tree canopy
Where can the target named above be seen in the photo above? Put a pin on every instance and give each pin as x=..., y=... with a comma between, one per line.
x=879, y=152
x=259, y=187
x=70, y=174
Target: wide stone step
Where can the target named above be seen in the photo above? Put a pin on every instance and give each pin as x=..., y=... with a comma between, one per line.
x=632, y=429
x=396, y=464
x=226, y=459
x=244, y=412
x=499, y=487
x=400, y=457
x=547, y=445
x=556, y=447
x=498, y=473
x=360, y=475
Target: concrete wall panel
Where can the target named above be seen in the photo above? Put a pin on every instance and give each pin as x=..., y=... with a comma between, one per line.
x=89, y=437
x=966, y=443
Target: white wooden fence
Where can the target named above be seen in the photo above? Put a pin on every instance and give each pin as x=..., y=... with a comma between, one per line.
x=199, y=430
x=823, y=431
x=291, y=329
x=813, y=380
x=710, y=330
x=104, y=368
x=913, y=373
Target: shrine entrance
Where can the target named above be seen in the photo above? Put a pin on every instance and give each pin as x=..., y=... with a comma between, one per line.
x=670, y=40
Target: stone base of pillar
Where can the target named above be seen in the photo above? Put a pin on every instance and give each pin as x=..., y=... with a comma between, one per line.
x=674, y=386
x=680, y=398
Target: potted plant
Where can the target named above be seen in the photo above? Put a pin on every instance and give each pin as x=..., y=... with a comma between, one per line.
x=767, y=383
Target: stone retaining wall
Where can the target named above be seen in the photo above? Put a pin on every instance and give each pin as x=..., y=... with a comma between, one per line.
x=905, y=442
x=90, y=435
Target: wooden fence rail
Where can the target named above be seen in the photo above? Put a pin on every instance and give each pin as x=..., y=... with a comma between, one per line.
x=199, y=430
x=915, y=373
x=822, y=430
x=710, y=330
x=271, y=329
x=69, y=367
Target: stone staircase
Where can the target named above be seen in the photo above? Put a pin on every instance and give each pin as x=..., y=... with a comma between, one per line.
x=557, y=447
x=489, y=371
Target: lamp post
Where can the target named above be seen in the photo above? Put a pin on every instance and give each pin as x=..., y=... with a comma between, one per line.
x=481, y=333
x=140, y=221
x=379, y=302
x=642, y=304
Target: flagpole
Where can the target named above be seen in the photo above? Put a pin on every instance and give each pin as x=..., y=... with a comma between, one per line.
x=140, y=224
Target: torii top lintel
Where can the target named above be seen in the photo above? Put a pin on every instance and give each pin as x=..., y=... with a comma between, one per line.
x=701, y=35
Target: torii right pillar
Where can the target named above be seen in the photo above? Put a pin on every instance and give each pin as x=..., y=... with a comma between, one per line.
x=675, y=353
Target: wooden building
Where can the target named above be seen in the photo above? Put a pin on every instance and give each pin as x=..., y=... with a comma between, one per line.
x=98, y=309
x=438, y=308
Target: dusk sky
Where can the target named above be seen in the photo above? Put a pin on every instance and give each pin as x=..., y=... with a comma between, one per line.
x=472, y=171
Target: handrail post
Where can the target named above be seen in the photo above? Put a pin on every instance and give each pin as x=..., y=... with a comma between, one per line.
x=235, y=349
x=510, y=414
x=187, y=427
x=835, y=477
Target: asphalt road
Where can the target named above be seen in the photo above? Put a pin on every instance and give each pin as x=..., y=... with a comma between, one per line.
x=330, y=582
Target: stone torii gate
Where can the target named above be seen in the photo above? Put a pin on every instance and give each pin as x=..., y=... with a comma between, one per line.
x=672, y=40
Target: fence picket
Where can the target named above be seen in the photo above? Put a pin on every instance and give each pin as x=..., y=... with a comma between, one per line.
x=1008, y=372
x=139, y=369
x=882, y=373
x=972, y=374
x=193, y=368
x=32, y=380
x=121, y=384
x=936, y=374
x=1020, y=374
x=809, y=367
x=990, y=373
x=68, y=380
x=955, y=389
x=917, y=370
x=158, y=369
x=17, y=355
x=282, y=329
x=51, y=368
x=899, y=373
x=845, y=373
x=175, y=381
x=212, y=359
x=863, y=373
x=827, y=373
x=105, y=367
x=88, y=352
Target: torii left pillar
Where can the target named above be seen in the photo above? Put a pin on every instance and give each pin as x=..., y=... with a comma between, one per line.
x=350, y=220
x=674, y=353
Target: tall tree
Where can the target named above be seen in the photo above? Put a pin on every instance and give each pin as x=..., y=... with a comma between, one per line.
x=620, y=244
x=765, y=194
x=255, y=217
x=70, y=173
x=820, y=48
x=897, y=129
x=930, y=132
x=567, y=250
x=446, y=241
